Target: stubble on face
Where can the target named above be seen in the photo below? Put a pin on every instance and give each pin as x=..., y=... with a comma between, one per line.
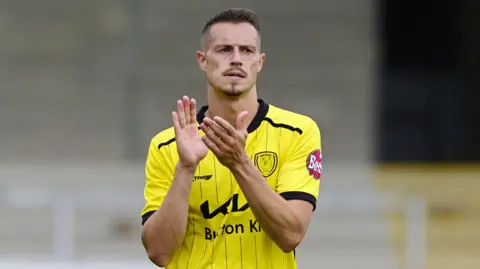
x=230, y=46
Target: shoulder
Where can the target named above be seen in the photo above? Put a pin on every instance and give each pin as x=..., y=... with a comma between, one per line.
x=279, y=117
x=163, y=138
x=160, y=150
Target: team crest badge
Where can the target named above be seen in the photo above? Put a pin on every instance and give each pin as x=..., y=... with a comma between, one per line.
x=266, y=162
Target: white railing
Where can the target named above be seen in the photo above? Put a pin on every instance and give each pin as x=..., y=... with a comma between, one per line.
x=65, y=203
x=110, y=188
x=75, y=265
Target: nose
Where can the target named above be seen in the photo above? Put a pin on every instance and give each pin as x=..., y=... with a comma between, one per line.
x=235, y=60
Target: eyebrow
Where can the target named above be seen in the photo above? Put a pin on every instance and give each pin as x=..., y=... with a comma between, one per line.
x=250, y=46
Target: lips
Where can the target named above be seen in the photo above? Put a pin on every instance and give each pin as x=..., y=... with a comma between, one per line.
x=235, y=73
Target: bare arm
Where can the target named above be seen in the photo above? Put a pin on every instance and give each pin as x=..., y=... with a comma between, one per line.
x=165, y=229
x=284, y=221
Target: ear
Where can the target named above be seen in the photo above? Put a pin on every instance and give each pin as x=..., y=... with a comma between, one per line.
x=261, y=60
x=202, y=62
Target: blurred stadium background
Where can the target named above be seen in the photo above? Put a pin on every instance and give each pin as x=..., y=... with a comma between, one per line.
x=393, y=84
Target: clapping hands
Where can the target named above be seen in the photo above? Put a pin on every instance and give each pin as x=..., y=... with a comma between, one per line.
x=224, y=140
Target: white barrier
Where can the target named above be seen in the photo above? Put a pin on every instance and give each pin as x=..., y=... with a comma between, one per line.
x=64, y=198
x=74, y=265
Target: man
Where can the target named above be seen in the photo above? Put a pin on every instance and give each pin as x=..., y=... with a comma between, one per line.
x=234, y=185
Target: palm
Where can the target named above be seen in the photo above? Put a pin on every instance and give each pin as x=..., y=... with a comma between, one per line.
x=190, y=147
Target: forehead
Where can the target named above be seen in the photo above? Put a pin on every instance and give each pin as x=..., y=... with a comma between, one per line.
x=233, y=33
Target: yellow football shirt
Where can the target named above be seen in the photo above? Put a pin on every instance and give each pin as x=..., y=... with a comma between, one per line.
x=222, y=231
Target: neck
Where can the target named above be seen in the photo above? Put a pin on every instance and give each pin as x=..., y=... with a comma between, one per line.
x=228, y=108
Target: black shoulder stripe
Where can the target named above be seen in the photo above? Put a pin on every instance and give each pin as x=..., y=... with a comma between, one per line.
x=282, y=125
x=166, y=143
x=170, y=141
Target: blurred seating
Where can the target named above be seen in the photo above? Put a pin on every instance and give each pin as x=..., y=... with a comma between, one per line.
x=454, y=211
x=65, y=65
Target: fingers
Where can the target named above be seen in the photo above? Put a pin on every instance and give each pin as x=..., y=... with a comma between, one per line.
x=211, y=145
x=186, y=106
x=181, y=114
x=214, y=134
x=225, y=125
x=217, y=130
x=242, y=121
x=193, y=111
x=176, y=123
x=186, y=111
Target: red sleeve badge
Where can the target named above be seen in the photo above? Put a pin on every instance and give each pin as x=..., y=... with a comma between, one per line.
x=314, y=164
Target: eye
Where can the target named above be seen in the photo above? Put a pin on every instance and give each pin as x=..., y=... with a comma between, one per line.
x=225, y=49
x=247, y=50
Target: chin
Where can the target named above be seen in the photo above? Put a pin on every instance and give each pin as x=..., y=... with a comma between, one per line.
x=234, y=91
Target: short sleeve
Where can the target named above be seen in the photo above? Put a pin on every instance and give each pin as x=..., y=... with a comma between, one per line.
x=299, y=175
x=159, y=175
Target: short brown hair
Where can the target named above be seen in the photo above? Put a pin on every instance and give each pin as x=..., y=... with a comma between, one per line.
x=233, y=15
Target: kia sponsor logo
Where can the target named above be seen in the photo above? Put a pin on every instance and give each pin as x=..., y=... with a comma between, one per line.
x=314, y=164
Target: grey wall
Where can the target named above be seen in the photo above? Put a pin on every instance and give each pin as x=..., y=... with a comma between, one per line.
x=74, y=84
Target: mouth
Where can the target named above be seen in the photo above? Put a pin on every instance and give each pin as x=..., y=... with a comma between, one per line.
x=234, y=74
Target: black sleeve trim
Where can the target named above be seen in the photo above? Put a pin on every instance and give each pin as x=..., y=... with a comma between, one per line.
x=300, y=195
x=146, y=216
x=166, y=143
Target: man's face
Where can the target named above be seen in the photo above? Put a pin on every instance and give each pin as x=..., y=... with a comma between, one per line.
x=232, y=57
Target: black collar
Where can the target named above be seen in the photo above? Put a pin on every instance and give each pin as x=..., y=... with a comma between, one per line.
x=257, y=120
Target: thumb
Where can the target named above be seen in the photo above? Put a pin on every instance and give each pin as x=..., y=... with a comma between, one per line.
x=242, y=121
